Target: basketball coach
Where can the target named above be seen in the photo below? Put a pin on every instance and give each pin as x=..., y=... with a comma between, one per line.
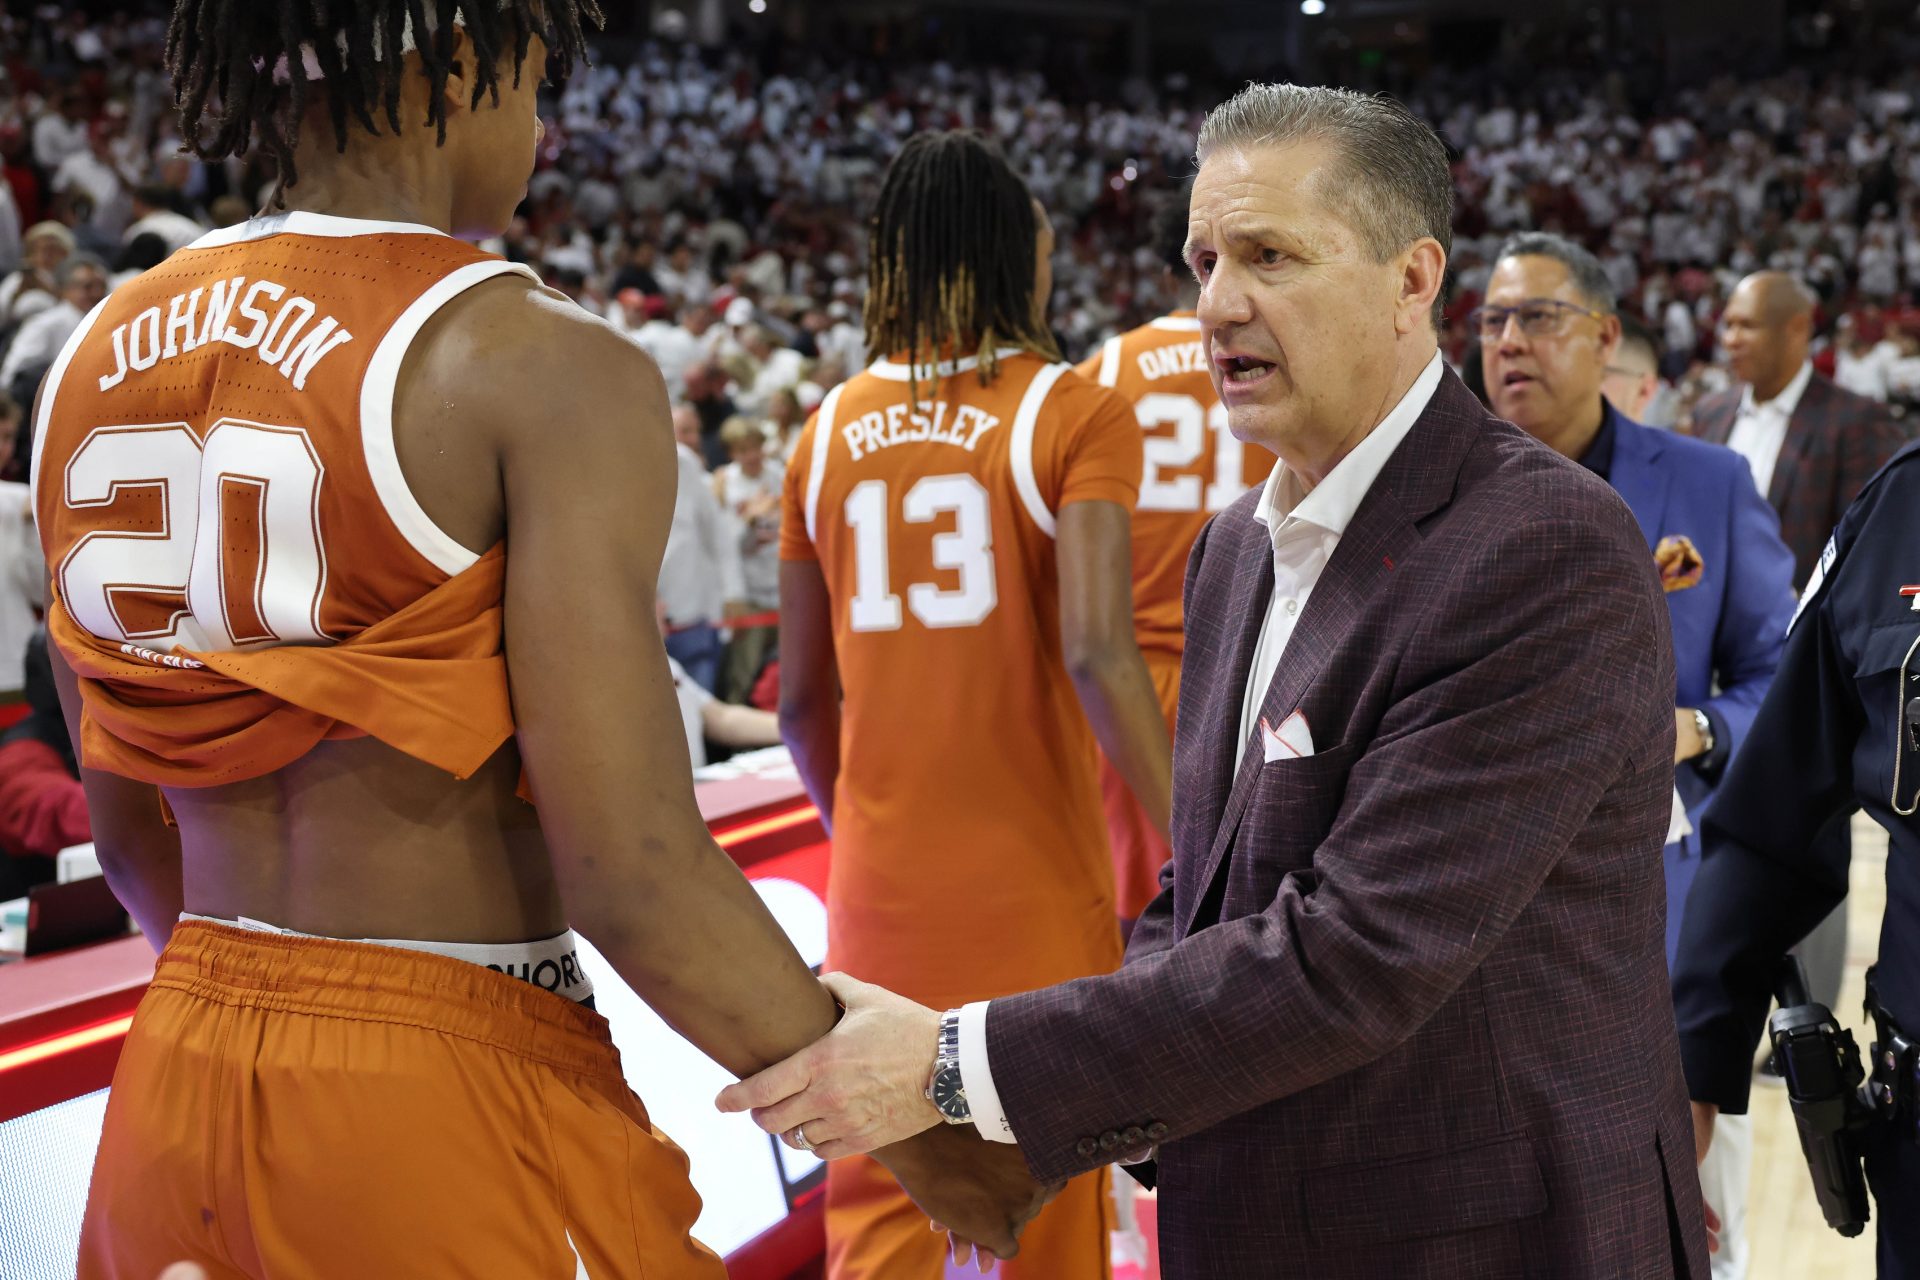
x=1401, y=1007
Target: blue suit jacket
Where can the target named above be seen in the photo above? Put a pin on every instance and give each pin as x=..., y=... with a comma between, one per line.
x=1727, y=630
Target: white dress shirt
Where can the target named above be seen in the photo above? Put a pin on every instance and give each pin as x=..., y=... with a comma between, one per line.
x=1760, y=429
x=700, y=568
x=1305, y=525
x=38, y=341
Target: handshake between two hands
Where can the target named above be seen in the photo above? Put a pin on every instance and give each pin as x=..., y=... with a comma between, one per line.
x=862, y=1088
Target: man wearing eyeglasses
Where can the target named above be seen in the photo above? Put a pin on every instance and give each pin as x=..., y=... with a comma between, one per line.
x=1548, y=334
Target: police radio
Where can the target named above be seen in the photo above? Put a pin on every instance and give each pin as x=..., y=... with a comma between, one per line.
x=1821, y=1066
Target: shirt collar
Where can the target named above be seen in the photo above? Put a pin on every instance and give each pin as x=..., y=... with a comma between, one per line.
x=1789, y=398
x=1330, y=505
x=1599, y=455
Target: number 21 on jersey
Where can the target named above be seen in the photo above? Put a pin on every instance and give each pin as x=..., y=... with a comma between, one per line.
x=1191, y=423
x=234, y=556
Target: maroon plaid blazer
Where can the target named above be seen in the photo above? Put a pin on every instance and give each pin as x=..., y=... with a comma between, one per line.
x=1403, y=1008
x=1835, y=441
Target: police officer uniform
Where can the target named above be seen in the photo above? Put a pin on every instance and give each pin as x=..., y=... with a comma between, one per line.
x=1838, y=731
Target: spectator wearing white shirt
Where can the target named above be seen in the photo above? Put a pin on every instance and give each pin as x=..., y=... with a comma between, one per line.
x=673, y=346
x=23, y=574
x=82, y=282
x=9, y=229
x=1681, y=335
x=60, y=133
x=748, y=487
x=93, y=176
x=155, y=213
x=700, y=584
x=681, y=276
x=35, y=286
x=1859, y=366
x=774, y=369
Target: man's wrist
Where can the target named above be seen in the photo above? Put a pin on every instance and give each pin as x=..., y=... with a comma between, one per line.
x=946, y=1089
x=983, y=1096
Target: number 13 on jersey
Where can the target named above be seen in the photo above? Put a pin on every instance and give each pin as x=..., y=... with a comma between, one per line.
x=966, y=549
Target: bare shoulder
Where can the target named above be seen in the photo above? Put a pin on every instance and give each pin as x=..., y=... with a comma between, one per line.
x=511, y=358
x=498, y=378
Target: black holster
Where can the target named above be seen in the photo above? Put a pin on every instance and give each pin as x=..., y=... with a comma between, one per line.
x=1820, y=1063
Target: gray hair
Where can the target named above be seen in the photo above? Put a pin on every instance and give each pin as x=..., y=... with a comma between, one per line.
x=1588, y=276
x=1391, y=178
x=74, y=265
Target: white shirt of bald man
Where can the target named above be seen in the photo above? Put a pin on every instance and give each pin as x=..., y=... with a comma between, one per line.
x=1761, y=428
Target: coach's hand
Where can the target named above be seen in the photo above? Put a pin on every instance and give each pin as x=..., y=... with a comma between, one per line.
x=861, y=1087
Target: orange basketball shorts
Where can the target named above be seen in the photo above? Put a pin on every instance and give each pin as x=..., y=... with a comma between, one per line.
x=1138, y=850
x=311, y=1109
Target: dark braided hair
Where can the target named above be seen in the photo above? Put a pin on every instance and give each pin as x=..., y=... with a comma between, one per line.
x=950, y=255
x=223, y=55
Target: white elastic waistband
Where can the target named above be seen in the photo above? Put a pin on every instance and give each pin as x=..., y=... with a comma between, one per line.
x=552, y=964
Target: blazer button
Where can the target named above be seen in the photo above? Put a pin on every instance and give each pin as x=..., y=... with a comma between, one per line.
x=1134, y=1137
x=1156, y=1132
x=1109, y=1140
x=1086, y=1148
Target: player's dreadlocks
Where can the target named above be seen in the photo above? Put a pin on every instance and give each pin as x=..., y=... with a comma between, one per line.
x=950, y=255
x=242, y=67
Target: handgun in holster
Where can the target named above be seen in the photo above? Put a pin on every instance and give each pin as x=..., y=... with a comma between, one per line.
x=1820, y=1063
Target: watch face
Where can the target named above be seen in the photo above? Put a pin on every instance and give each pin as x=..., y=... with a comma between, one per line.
x=949, y=1096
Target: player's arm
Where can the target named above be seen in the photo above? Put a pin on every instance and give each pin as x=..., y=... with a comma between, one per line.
x=809, y=681
x=588, y=511
x=1095, y=546
x=139, y=853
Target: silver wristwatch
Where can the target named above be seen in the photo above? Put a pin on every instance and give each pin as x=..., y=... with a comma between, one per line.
x=944, y=1088
x=1703, y=725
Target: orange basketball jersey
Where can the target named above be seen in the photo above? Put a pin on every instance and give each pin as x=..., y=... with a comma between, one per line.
x=239, y=567
x=1194, y=466
x=967, y=771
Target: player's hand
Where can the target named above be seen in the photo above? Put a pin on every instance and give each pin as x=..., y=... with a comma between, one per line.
x=1704, y=1114
x=1679, y=563
x=184, y=1271
x=861, y=1087
x=980, y=1193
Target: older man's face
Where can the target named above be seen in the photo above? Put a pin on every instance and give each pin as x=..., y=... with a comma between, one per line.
x=1544, y=379
x=1299, y=322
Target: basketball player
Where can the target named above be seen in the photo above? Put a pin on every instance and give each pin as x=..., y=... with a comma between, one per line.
x=955, y=549
x=1194, y=467
x=277, y=479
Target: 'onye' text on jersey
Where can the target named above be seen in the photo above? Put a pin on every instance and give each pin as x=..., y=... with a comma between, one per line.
x=262, y=316
x=1164, y=362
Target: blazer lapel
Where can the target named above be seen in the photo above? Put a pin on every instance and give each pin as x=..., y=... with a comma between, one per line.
x=1252, y=591
x=1416, y=481
x=1714, y=424
x=1792, y=459
x=1638, y=477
